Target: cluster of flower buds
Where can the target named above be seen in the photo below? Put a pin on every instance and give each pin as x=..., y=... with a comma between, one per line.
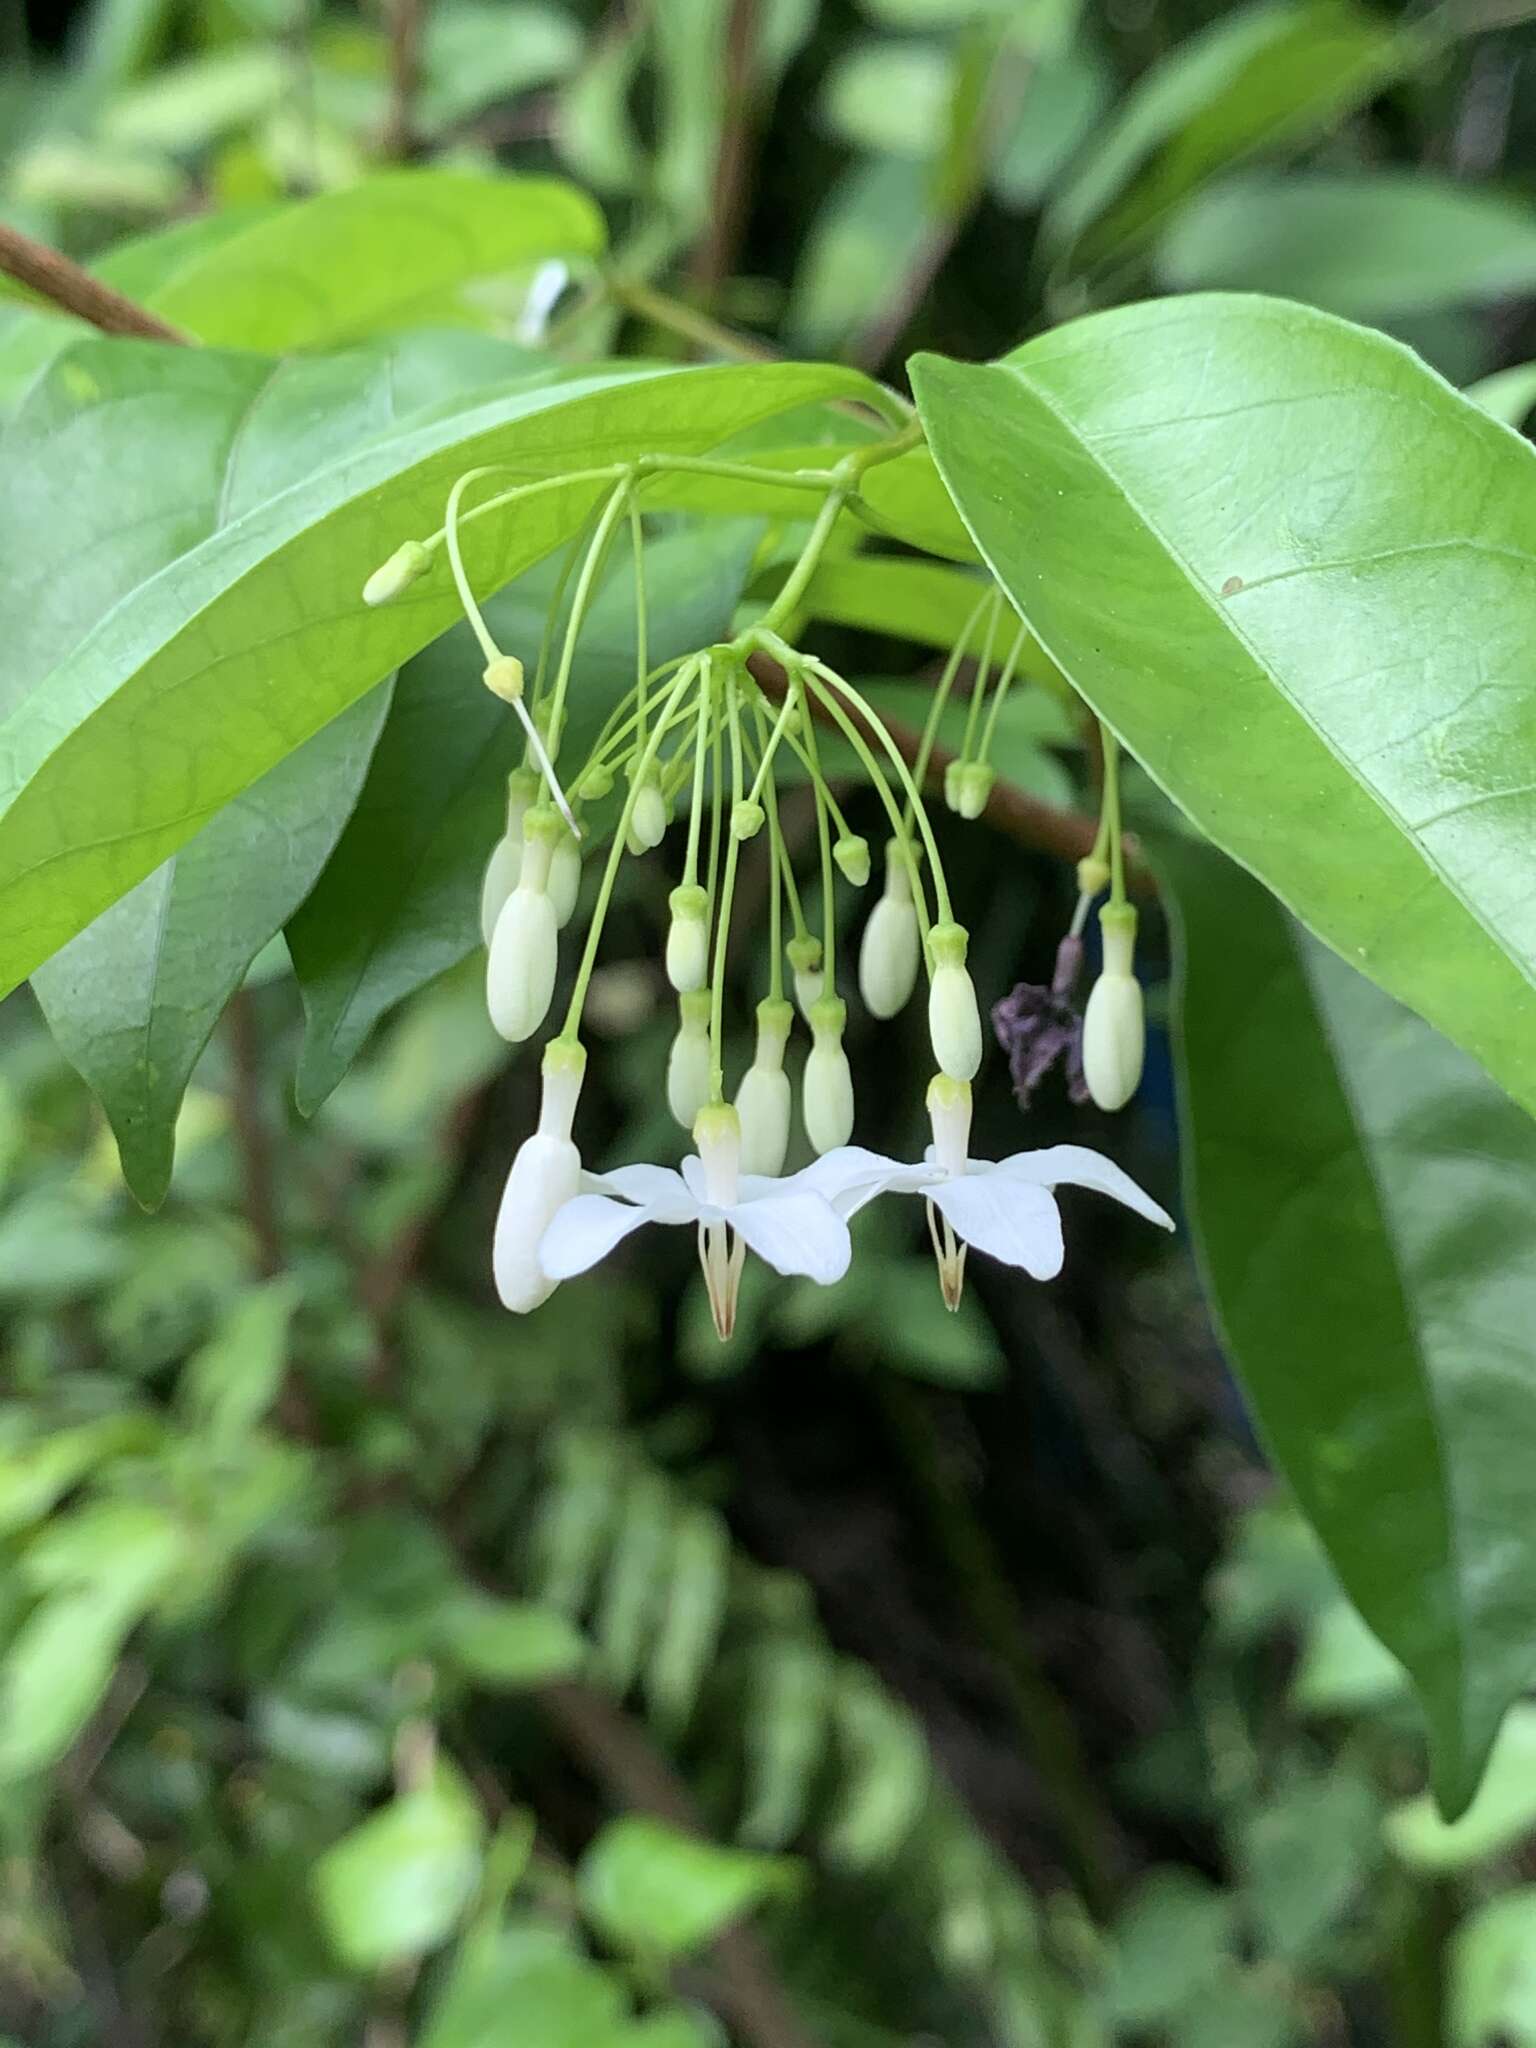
x=703, y=740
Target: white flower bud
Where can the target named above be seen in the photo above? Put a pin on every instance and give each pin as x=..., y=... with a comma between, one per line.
x=545, y=1175
x=503, y=677
x=689, y=1064
x=595, y=783
x=763, y=1101
x=505, y=864
x=565, y=877
x=973, y=788
x=409, y=561
x=524, y=955
x=852, y=855
x=891, y=949
x=954, y=1020
x=805, y=964
x=746, y=819
x=648, y=819
x=1114, y=1022
x=688, y=938
x=827, y=1104
x=1092, y=874
x=952, y=773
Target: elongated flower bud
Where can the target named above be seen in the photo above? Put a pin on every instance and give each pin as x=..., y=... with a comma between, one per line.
x=1114, y=1023
x=954, y=1020
x=891, y=949
x=688, y=938
x=827, y=1105
x=805, y=964
x=506, y=861
x=520, y=971
x=648, y=820
x=409, y=561
x=852, y=855
x=763, y=1101
x=973, y=788
x=565, y=877
x=689, y=1062
x=545, y=1174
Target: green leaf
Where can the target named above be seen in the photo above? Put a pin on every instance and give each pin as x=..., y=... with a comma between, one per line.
x=54, y=1673
x=403, y=248
x=508, y=1642
x=395, y=1887
x=216, y=669
x=662, y=1893
x=1502, y=1815
x=867, y=231
x=399, y=901
x=524, y=1987
x=1491, y=2001
x=1267, y=76
x=1172, y=1940
x=476, y=52
x=1306, y=1854
x=1508, y=395
x=1066, y=100
x=228, y=1385
x=1291, y=609
x=1344, y=1668
x=890, y=97
x=1372, y=245
x=133, y=999
x=1364, y=1201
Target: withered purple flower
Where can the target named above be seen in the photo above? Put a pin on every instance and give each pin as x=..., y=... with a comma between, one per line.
x=1040, y=1027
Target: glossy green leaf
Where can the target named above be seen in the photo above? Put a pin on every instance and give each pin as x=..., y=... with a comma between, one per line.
x=662, y=1893
x=508, y=1643
x=400, y=898
x=1502, y=1815
x=1371, y=245
x=1264, y=76
x=1491, y=1998
x=1065, y=101
x=228, y=1385
x=1363, y=1200
x=132, y=999
x=402, y=248
x=212, y=672
x=396, y=1886
x=1297, y=574
x=476, y=52
x=868, y=229
x=524, y=1987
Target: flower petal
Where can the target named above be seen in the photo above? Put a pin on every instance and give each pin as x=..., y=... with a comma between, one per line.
x=1077, y=1166
x=1008, y=1219
x=852, y=1175
x=795, y=1233
x=693, y=1176
x=586, y=1230
x=661, y=1189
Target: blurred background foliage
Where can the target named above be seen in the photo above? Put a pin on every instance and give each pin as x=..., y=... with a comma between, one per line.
x=377, y=1669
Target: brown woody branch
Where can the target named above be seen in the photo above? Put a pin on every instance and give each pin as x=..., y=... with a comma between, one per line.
x=73, y=290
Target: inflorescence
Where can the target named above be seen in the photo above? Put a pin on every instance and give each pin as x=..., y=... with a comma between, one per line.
x=703, y=734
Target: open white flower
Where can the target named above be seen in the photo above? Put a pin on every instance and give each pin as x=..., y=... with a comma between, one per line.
x=1005, y=1207
x=791, y=1225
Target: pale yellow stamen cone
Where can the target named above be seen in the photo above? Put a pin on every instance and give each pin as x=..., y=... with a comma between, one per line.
x=827, y=1101
x=717, y=1134
x=1114, y=1022
x=764, y=1099
x=954, y=1019
x=949, y=1110
x=690, y=1062
x=688, y=938
x=891, y=949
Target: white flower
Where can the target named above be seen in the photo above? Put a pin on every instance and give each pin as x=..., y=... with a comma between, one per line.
x=1005, y=1208
x=545, y=1175
x=792, y=1226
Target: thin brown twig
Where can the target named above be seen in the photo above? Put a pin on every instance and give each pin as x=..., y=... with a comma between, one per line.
x=406, y=21
x=621, y=1756
x=64, y=284
x=714, y=256
x=252, y=1138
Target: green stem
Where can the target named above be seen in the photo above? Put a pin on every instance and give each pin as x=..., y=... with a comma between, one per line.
x=1110, y=816
x=727, y=896
x=642, y=635
x=596, y=551
x=1004, y=681
x=700, y=761
x=824, y=837
x=795, y=584
x=979, y=685
x=900, y=827
x=942, y=691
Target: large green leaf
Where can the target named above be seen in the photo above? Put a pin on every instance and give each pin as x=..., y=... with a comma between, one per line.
x=399, y=900
x=1364, y=1202
x=133, y=998
x=401, y=248
x=1370, y=245
x=1297, y=573
x=1263, y=76
x=209, y=674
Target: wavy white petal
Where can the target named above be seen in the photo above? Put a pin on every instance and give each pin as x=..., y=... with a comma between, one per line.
x=1014, y=1220
x=1078, y=1166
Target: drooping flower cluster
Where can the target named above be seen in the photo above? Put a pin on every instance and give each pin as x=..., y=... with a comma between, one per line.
x=706, y=736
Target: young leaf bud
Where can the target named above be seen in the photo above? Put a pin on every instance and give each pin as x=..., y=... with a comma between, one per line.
x=763, y=1099
x=689, y=1062
x=954, y=1021
x=852, y=855
x=827, y=1103
x=409, y=561
x=688, y=938
x=1114, y=1023
x=890, y=952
